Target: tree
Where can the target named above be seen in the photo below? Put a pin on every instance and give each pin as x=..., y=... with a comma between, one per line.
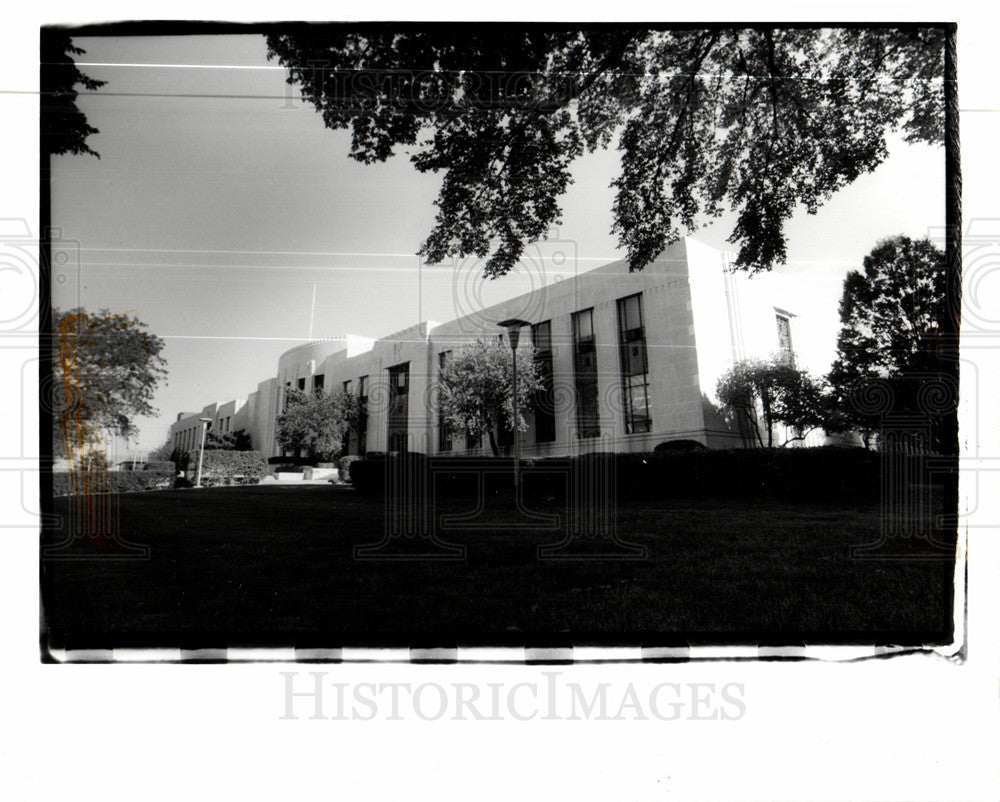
x=104, y=375
x=180, y=458
x=315, y=424
x=162, y=452
x=770, y=392
x=238, y=440
x=889, y=353
x=242, y=441
x=220, y=441
x=474, y=391
x=756, y=119
x=64, y=128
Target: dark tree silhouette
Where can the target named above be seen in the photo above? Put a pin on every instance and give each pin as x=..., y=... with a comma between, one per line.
x=64, y=128
x=763, y=393
x=759, y=120
x=889, y=355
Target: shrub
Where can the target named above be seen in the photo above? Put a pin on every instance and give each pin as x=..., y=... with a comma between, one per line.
x=345, y=466
x=292, y=461
x=232, y=468
x=181, y=459
x=828, y=473
x=112, y=482
x=287, y=468
x=160, y=465
x=679, y=445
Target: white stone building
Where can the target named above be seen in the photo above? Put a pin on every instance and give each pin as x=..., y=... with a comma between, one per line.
x=634, y=359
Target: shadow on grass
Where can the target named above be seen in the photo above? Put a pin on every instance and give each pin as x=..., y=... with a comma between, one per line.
x=271, y=565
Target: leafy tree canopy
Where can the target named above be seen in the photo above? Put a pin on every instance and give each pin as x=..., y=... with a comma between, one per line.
x=162, y=452
x=475, y=388
x=238, y=440
x=64, y=128
x=758, y=120
x=314, y=424
x=764, y=393
x=889, y=349
x=104, y=375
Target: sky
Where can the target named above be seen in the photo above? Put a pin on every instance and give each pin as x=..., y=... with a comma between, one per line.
x=221, y=207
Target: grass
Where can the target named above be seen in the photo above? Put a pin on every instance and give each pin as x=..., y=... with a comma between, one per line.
x=271, y=565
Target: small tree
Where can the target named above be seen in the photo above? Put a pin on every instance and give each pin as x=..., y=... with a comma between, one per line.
x=314, y=424
x=242, y=441
x=180, y=458
x=220, y=441
x=161, y=452
x=474, y=392
x=769, y=392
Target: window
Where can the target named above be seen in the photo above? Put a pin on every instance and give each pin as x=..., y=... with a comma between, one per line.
x=399, y=407
x=544, y=400
x=588, y=424
x=635, y=365
x=473, y=441
x=319, y=380
x=347, y=386
x=363, y=415
x=784, y=336
x=302, y=384
x=445, y=438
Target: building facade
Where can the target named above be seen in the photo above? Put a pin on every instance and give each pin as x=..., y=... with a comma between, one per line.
x=630, y=360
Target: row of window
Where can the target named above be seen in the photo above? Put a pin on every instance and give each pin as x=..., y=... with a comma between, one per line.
x=634, y=370
x=188, y=439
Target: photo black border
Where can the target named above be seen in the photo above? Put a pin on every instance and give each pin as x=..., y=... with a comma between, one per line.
x=545, y=648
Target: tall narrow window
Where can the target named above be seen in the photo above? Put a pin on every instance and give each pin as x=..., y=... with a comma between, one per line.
x=445, y=438
x=318, y=381
x=784, y=336
x=544, y=400
x=399, y=407
x=363, y=415
x=345, y=441
x=302, y=384
x=635, y=365
x=588, y=423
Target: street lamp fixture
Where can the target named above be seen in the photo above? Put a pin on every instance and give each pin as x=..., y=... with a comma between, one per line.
x=201, y=453
x=513, y=326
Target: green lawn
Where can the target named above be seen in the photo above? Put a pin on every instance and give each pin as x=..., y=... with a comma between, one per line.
x=273, y=565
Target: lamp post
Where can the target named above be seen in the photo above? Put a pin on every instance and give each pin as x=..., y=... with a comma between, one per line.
x=201, y=452
x=513, y=326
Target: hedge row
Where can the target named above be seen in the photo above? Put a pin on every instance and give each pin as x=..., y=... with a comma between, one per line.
x=345, y=466
x=302, y=462
x=221, y=467
x=111, y=482
x=826, y=473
